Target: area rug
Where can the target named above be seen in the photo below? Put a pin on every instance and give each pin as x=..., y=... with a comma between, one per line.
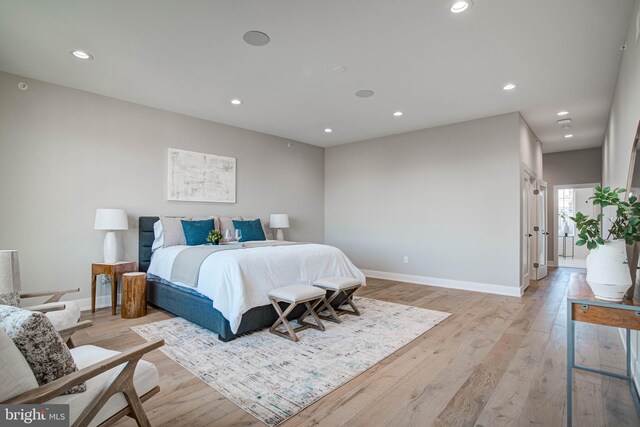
x=273, y=378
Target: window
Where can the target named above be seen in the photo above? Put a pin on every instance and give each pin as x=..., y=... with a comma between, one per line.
x=566, y=209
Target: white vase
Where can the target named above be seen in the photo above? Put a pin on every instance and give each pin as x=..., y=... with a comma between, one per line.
x=608, y=272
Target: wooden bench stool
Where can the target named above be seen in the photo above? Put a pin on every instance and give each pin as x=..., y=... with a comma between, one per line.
x=346, y=286
x=134, y=295
x=295, y=295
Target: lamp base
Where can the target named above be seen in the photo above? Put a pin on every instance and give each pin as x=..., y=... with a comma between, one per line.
x=279, y=234
x=110, y=248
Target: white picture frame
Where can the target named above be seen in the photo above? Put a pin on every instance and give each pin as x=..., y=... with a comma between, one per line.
x=200, y=177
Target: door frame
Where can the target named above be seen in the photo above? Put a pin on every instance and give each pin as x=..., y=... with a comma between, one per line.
x=524, y=169
x=543, y=229
x=554, y=263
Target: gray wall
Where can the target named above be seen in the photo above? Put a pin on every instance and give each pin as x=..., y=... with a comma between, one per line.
x=623, y=122
x=446, y=197
x=568, y=168
x=64, y=153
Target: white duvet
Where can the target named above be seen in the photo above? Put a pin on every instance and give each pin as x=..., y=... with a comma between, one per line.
x=239, y=280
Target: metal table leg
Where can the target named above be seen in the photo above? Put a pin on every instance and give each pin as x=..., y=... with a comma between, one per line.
x=571, y=358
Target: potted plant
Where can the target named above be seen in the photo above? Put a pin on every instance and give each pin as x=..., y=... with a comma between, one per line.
x=214, y=237
x=607, y=267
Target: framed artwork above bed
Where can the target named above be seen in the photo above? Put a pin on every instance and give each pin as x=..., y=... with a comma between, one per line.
x=201, y=177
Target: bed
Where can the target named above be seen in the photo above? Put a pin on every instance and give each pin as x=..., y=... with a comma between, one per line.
x=230, y=296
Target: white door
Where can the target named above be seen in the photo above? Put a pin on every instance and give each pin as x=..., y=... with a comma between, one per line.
x=540, y=231
x=525, y=200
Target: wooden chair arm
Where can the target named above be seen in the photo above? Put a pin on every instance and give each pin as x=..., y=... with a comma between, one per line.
x=61, y=385
x=65, y=333
x=56, y=294
x=42, y=308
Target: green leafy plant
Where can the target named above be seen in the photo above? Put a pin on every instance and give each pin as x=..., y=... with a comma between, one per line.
x=214, y=237
x=624, y=226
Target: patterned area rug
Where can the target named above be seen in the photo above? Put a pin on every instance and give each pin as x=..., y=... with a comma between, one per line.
x=273, y=378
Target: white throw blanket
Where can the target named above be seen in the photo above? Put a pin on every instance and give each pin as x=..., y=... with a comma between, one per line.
x=240, y=280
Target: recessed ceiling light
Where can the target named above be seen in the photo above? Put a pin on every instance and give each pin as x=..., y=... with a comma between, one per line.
x=236, y=102
x=364, y=93
x=562, y=113
x=398, y=113
x=340, y=69
x=569, y=135
x=256, y=38
x=328, y=130
x=460, y=6
x=509, y=86
x=81, y=54
x=564, y=122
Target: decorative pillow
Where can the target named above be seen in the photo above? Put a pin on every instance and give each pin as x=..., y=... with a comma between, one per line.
x=11, y=298
x=226, y=223
x=16, y=376
x=172, y=232
x=40, y=344
x=251, y=230
x=196, y=232
x=265, y=226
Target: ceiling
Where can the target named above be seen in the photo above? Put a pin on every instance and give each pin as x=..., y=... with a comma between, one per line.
x=438, y=68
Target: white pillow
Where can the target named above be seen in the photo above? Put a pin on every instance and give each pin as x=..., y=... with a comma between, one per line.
x=16, y=377
x=158, y=241
x=169, y=232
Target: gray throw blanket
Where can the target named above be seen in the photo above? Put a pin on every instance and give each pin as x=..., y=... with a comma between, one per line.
x=186, y=266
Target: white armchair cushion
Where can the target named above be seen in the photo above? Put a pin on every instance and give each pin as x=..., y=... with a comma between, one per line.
x=64, y=318
x=16, y=376
x=144, y=380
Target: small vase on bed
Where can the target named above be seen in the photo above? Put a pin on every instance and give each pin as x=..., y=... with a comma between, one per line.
x=214, y=237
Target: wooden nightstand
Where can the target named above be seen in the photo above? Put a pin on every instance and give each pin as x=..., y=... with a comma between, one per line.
x=113, y=271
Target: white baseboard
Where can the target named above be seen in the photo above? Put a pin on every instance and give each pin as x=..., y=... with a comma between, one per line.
x=101, y=302
x=634, y=358
x=552, y=264
x=511, y=291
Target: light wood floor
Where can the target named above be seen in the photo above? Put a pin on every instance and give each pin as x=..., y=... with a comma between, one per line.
x=497, y=361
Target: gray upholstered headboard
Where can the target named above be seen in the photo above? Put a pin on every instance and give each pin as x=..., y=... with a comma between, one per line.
x=145, y=241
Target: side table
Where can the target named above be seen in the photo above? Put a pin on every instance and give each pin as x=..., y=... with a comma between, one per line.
x=113, y=271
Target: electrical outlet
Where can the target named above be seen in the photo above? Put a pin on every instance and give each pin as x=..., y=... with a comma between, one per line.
x=406, y=259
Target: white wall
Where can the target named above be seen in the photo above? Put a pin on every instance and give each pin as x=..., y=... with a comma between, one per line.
x=64, y=153
x=446, y=197
x=623, y=121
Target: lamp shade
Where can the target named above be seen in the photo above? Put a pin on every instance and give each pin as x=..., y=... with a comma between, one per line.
x=9, y=272
x=279, y=221
x=111, y=219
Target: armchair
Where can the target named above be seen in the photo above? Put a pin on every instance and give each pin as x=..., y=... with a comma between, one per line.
x=117, y=383
x=62, y=314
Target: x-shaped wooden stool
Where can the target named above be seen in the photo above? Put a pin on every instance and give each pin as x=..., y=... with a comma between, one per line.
x=340, y=286
x=295, y=295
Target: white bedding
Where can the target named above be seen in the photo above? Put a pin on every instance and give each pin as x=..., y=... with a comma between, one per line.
x=239, y=280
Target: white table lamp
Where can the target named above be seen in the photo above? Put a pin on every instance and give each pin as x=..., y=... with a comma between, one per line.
x=9, y=272
x=110, y=220
x=278, y=222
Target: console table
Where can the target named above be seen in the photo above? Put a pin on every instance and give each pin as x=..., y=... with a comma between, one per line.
x=582, y=306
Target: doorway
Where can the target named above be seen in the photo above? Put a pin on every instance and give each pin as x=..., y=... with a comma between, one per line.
x=568, y=200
